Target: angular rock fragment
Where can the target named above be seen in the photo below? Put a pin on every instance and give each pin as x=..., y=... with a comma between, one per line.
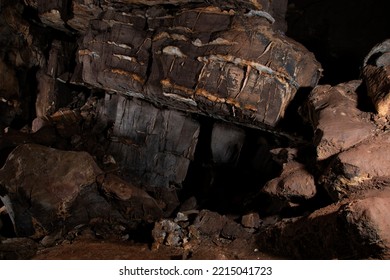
x=204, y=60
x=351, y=229
x=251, y=220
x=358, y=168
x=213, y=224
x=154, y=146
x=337, y=122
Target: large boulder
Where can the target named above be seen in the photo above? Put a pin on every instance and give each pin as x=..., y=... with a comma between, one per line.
x=337, y=121
x=359, y=168
x=46, y=190
x=207, y=60
x=350, y=229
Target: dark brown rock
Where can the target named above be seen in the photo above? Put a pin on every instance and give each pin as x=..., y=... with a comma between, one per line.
x=41, y=184
x=213, y=224
x=236, y=68
x=78, y=13
x=352, y=171
x=351, y=229
x=62, y=189
x=251, y=220
x=17, y=249
x=132, y=202
x=336, y=119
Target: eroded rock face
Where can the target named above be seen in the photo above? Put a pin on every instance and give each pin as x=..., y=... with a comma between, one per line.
x=78, y=13
x=352, y=171
x=351, y=229
x=338, y=123
x=295, y=184
x=153, y=146
x=46, y=190
x=205, y=60
x=42, y=183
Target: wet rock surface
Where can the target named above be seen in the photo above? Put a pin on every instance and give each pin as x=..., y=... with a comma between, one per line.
x=185, y=130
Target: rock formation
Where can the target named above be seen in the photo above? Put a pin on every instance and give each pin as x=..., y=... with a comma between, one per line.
x=187, y=122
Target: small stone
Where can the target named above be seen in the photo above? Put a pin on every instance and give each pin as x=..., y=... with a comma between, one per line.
x=251, y=220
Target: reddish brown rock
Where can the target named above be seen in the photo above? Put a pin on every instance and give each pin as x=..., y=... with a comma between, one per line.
x=358, y=168
x=213, y=224
x=78, y=13
x=251, y=220
x=351, y=229
x=336, y=119
x=293, y=188
x=46, y=190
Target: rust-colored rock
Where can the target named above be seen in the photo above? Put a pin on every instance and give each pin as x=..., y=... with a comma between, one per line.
x=294, y=184
x=48, y=191
x=336, y=119
x=351, y=229
x=359, y=168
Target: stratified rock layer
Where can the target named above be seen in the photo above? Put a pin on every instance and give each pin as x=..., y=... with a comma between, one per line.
x=205, y=60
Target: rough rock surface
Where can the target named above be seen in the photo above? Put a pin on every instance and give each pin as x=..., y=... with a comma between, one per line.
x=352, y=171
x=77, y=13
x=376, y=74
x=350, y=229
x=295, y=184
x=336, y=119
x=46, y=190
x=204, y=60
x=17, y=249
x=154, y=146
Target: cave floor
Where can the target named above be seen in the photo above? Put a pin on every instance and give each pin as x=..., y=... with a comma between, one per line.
x=93, y=249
